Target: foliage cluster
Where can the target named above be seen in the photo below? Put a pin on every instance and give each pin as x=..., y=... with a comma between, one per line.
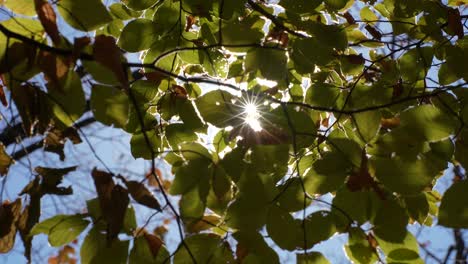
x=364, y=99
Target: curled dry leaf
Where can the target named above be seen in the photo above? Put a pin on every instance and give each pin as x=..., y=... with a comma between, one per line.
x=9, y=214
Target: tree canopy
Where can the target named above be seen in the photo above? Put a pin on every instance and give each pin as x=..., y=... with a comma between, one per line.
x=262, y=110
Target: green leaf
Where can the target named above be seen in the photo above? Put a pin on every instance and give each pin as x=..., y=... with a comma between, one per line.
x=415, y=63
x=335, y=4
x=139, y=146
x=360, y=206
x=100, y=73
x=404, y=175
x=110, y=106
x=138, y=35
x=247, y=31
x=179, y=133
x=204, y=248
x=67, y=98
x=300, y=6
x=367, y=15
x=417, y=207
x=270, y=62
x=188, y=176
x=452, y=211
x=167, y=17
x=257, y=249
x=306, y=53
x=189, y=116
x=427, y=122
x=405, y=250
x=292, y=196
x=318, y=227
x=61, y=229
x=271, y=159
x=358, y=248
x=139, y=4
x=461, y=148
x=311, y=258
x=323, y=95
x=368, y=124
x=327, y=174
x=390, y=222
x=192, y=204
x=141, y=252
x=96, y=250
x=281, y=228
x=122, y=12
x=85, y=15
x=22, y=7
x=216, y=107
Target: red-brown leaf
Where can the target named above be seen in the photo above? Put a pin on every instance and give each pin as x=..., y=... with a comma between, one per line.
x=48, y=19
x=115, y=218
x=2, y=92
x=104, y=186
x=374, y=32
x=107, y=53
x=154, y=243
x=455, y=22
x=142, y=195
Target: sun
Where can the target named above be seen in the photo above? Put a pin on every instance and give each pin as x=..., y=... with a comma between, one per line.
x=252, y=116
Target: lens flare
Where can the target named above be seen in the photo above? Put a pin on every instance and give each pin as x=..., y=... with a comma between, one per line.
x=252, y=116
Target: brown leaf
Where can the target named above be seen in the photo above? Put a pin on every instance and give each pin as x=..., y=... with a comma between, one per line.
x=104, y=186
x=455, y=22
x=191, y=20
x=241, y=252
x=5, y=160
x=9, y=214
x=389, y=123
x=372, y=241
x=155, y=77
x=325, y=122
x=107, y=53
x=54, y=67
x=355, y=59
x=179, y=91
x=360, y=179
x=207, y=222
x=142, y=195
x=27, y=219
x=349, y=18
x=374, y=32
x=116, y=214
x=56, y=138
x=66, y=255
x=47, y=16
x=2, y=92
x=160, y=230
x=33, y=107
x=397, y=89
x=154, y=243
x=52, y=178
x=79, y=45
